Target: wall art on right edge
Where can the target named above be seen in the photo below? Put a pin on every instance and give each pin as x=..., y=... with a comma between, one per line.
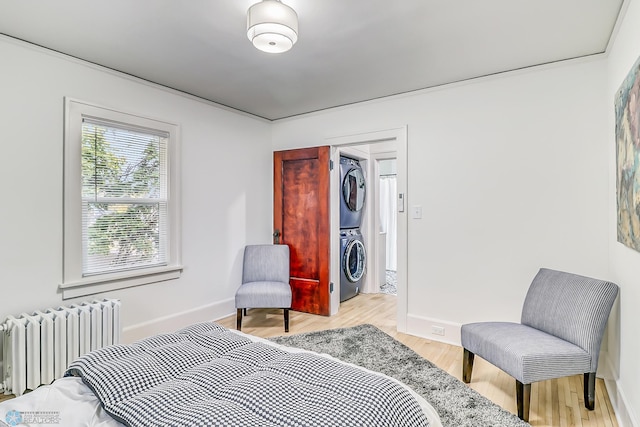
x=627, y=110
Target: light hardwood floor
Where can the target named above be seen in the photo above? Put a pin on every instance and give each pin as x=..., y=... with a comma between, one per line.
x=553, y=403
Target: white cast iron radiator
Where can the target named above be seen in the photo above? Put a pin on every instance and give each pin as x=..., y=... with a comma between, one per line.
x=38, y=347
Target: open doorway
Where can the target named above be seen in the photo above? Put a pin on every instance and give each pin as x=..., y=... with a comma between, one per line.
x=375, y=232
x=369, y=149
x=387, y=249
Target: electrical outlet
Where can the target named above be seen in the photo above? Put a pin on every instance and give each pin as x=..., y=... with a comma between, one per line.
x=437, y=330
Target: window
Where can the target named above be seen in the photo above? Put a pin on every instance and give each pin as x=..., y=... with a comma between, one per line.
x=121, y=217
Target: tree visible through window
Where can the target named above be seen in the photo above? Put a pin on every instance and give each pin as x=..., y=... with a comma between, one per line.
x=122, y=210
x=124, y=197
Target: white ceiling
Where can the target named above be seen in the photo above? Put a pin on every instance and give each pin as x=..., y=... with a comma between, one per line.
x=348, y=50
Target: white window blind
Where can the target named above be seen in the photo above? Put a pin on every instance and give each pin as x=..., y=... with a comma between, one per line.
x=124, y=197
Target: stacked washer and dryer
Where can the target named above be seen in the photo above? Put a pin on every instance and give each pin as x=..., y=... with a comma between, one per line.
x=353, y=257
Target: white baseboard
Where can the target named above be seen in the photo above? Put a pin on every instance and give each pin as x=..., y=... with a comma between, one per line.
x=619, y=403
x=621, y=408
x=423, y=326
x=176, y=321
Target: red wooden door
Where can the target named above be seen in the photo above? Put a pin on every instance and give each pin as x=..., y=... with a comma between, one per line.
x=301, y=220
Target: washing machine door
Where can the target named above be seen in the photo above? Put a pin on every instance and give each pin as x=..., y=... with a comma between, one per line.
x=354, y=260
x=353, y=189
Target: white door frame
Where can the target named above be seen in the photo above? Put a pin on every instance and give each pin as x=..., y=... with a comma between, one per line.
x=399, y=135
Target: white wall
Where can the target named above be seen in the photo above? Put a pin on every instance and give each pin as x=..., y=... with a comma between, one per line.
x=226, y=202
x=624, y=262
x=511, y=177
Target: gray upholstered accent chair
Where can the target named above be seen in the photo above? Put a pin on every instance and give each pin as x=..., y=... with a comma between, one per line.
x=265, y=281
x=562, y=323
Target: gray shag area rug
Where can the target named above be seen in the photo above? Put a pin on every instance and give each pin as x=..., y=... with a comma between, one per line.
x=369, y=347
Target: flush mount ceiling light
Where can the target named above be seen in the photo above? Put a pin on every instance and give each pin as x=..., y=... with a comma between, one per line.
x=272, y=26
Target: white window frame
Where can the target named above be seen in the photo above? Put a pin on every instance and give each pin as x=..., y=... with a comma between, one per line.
x=73, y=283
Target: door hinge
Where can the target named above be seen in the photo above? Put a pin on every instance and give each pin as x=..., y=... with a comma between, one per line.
x=330, y=164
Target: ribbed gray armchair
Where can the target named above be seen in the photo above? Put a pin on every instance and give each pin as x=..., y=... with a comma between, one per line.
x=265, y=281
x=562, y=323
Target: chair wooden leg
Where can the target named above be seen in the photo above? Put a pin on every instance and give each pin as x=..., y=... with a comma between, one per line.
x=245, y=311
x=523, y=397
x=239, y=319
x=467, y=365
x=590, y=390
x=286, y=320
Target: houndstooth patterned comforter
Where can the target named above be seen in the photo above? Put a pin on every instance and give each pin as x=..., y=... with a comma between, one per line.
x=206, y=375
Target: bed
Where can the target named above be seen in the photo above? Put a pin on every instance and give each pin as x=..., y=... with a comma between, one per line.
x=206, y=375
